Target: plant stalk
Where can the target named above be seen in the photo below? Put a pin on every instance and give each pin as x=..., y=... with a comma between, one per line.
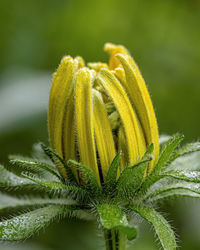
x=115, y=240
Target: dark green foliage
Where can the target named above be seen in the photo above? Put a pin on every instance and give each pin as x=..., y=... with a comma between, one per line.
x=167, y=150
x=25, y=225
x=57, y=160
x=131, y=179
x=111, y=178
x=59, y=188
x=186, y=149
x=190, y=176
x=34, y=167
x=161, y=226
x=183, y=186
x=176, y=193
x=111, y=217
x=87, y=176
x=148, y=153
x=135, y=190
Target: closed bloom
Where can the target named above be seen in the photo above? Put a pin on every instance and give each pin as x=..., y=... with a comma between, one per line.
x=99, y=110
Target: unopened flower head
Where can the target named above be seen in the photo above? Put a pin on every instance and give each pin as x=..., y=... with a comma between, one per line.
x=99, y=110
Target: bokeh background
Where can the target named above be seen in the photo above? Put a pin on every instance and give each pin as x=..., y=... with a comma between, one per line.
x=164, y=39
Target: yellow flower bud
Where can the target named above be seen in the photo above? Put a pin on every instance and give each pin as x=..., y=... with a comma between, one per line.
x=99, y=110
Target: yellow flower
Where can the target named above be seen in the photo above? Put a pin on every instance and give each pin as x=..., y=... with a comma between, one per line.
x=99, y=110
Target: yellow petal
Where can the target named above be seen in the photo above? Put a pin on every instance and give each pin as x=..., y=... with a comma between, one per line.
x=61, y=90
x=113, y=49
x=68, y=138
x=97, y=66
x=103, y=133
x=122, y=146
x=57, y=76
x=84, y=119
x=135, y=140
x=120, y=74
x=81, y=62
x=140, y=98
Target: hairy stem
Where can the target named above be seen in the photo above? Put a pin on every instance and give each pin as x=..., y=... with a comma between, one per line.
x=115, y=240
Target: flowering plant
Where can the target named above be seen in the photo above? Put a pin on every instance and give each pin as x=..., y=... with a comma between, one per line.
x=105, y=161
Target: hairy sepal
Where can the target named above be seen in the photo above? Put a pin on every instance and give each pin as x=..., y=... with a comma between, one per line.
x=57, y=160
x=162, y=228
x=87, y=177
x=131, y=179
x=59, y=188
x=35, y=167
x=111, y=217
x=111, y=178
x=165, y=187
x=10, y=202
x=23, y=226
x=167, y=151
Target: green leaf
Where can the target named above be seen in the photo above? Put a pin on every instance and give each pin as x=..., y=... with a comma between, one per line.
x=87, y=175
x=146, y=185
x=177, y=193
x=111, y=178
x=193, y=187
x=190, y=176
x=166, y=151
x=131, y=179
x=39, y=168
x=60, y=188
x=111, y=217
x=8, y=179
x=148, y=153
x=186, y=149
x=161, y=226
x=25, y=225
x=56, y=159
x=29, y=184
x=8, y=202
x=186, y=162
x=179, y=167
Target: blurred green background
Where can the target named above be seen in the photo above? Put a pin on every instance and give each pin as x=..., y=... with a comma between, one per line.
x=164, y=39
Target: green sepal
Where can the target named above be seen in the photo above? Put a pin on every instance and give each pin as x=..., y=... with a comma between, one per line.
x=23, y=226
x=185, y=176
x=185, y=149
x=9, y=180
x=111, y=178
x=56, y=159
x=148, y=153
x=111, y=217
x=59, y=188
x=18, y=166
x=192, y=187
x=9, y=202
x=87, y=176
x=176, y=193
x=148, y=182
x=166, y=152
x=189, y=162
x=161, y=226
x=131, y=179
x=190, y=176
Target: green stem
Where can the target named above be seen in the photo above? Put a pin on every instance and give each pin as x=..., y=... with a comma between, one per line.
x=115, y=240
